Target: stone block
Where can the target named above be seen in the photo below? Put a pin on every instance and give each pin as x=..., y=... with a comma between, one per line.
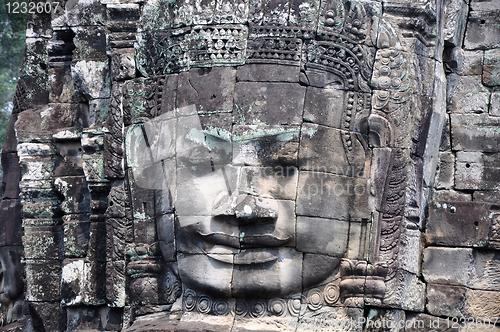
x=324, y=106
x=202, y=140
x=474, y=102
x=123, y=64
x=475, y=132
x=458, y=224
x=76, y=239
x=92, y=78
x=484, y=5
x=446, y=300
x=198, y=189
x=486, y=272
x=261, y=145
x=11, y=222
x=446, y=171
x=47, y=316
x=90, y=43
x=43, y=280
x=271, y=279
x=476, y=170
x=455, y=18
x=86, y=13
x=495, y=231
x=317, y=156
x=209, y=90
x=447, y=265
x=11, y=175
x=278, y=182
x=52, y=116
x=166, y=236
x=491, y=65
x=331, y=196
x=69, y=159
x=450, y=195
x=270, y=103
x=495, y=104
x=86, y=318
x=332, y=241
x=487, y=196
x=61, y=85
x=483, y=304
x=483, y=30
x=97, y=242
x=260, y=72
x=82, y=283
x=115, y=283
x=316, y=320
x=466, y=63
x=98, y=111
x=406, y=291
x=76, y=194
x=44, y=242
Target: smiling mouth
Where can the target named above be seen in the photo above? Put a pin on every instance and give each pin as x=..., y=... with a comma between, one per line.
x=248, y=256
x=245, y=250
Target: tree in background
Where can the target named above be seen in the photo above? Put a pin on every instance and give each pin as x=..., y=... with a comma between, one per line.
x=12, y=35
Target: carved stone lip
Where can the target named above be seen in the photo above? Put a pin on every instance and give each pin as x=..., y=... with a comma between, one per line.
x=248, y=256
x=245, y=241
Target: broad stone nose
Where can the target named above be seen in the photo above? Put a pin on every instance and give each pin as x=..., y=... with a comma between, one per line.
x=246, y=209
x=251, y=209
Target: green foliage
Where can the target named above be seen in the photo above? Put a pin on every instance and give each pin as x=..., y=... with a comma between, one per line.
x=12, y=35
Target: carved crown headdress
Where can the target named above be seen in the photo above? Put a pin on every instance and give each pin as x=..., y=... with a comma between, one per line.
x=332, y=36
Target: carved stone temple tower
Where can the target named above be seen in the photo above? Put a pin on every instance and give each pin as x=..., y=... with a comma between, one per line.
x=254, y=165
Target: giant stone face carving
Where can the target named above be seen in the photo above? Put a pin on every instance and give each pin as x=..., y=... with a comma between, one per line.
x=256, y=144
x=261, y=208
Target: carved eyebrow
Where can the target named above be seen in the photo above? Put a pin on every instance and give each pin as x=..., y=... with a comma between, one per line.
x=281, y=134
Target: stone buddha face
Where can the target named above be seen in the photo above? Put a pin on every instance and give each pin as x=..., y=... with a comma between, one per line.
x=266, y=194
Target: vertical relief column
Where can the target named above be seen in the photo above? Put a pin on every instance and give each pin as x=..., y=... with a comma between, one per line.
x=121, y=28
x=408, y=83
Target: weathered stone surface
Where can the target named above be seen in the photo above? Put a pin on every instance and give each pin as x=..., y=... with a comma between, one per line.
x=476, y=170
x=209, y=90
x=43, y=242
x=43, y=280
x=342, y=197
x=61, y=85
x=495, y=104
x=446, y=171
x=333, y=241
x=458, y=223
x=465, y=63
x=11, y=222
x=76, y=239
x=82, y=13
x=491, y=68
x=454, y=21
x=75, y=192
x=447, y=265
x=446, y=300
x=270, y=103
x=268, y=72
x=90, y=43
x=475, y=132
x=123, y=64
x=450, y=195
x=482, y=30
x=91, y=78
x=47, y=316
x=82, y=283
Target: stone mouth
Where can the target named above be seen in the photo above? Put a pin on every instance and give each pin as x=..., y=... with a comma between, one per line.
x=247, y=256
